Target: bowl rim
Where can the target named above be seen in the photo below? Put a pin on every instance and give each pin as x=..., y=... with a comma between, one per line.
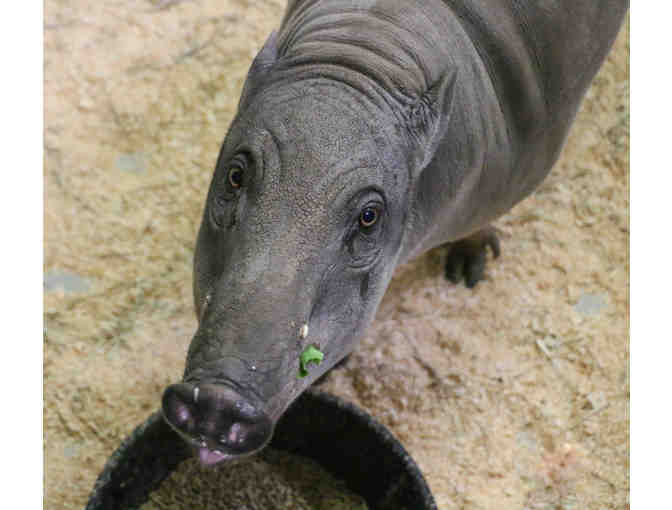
x=343, y=438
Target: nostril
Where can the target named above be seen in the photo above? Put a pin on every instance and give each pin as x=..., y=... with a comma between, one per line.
x=235, y=435
x=182, y=414
x=177, y=409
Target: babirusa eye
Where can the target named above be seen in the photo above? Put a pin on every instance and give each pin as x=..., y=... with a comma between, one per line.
x=368, y=217
x=235, y=177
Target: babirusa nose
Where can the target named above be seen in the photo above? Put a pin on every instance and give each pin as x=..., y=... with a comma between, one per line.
x=215, y=419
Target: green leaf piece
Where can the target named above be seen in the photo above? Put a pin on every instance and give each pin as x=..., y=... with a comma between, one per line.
x=310, y=354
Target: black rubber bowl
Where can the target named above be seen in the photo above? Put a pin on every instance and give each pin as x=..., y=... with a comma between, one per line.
x=342, y=438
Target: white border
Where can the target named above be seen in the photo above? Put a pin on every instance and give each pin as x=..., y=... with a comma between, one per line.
x=21, y=200
x=650, y=253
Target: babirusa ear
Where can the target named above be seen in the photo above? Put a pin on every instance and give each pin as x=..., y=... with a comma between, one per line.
x=427, y=119
x=267, y=56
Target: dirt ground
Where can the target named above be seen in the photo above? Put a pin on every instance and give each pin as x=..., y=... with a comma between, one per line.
x=514, y=395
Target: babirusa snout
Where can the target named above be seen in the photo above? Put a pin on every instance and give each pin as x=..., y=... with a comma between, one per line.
x=216, y=420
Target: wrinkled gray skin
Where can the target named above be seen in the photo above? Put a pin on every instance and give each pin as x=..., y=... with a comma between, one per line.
x=438, y=115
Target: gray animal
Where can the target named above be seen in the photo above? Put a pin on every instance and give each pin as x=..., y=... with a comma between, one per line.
x=368, y=131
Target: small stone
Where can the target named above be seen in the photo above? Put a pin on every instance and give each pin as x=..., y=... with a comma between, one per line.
x=222, y=99
x=70, y=450
x=590, y=304
x=133, y=162
x=65, y=281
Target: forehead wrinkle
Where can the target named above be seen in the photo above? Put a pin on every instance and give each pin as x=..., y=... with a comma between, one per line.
x=291, y=157
x=333, y=189
x=287, y=187
x=277, y=142
x=309, y=179
x=335, y=103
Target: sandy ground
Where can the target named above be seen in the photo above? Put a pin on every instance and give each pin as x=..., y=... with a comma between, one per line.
x=514, y=395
